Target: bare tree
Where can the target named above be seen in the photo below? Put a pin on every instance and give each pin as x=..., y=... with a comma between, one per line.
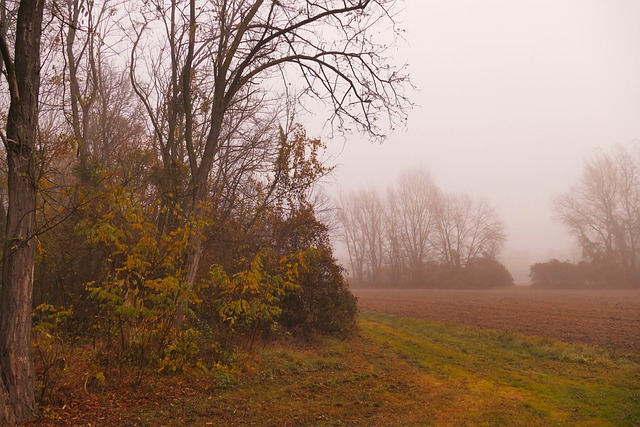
x=408, y=239
x=394, y=252
x=375, y=212
x=602, y=211
x=370, y=216
x=239, y=56
x=467, y=229
x=95, y=97
x=22, y=72
x=362, y=214
x=354, y=219
x=413, y=202
x=83, y=92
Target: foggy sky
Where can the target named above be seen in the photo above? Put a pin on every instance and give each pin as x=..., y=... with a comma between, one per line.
x=513, y=96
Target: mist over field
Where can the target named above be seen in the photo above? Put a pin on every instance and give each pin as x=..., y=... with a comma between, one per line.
x=250, y=212
x=512, y=98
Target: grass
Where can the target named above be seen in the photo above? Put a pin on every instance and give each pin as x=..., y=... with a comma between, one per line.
x=503, y=378
x=396, y=372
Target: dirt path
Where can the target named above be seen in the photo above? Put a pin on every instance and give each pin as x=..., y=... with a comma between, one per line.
x=610, y=319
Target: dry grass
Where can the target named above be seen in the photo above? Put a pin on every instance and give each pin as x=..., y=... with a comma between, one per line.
x=397, y=371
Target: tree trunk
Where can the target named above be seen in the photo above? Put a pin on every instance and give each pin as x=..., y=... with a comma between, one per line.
x=17, y=380
x=201, y=186
x=17, y=288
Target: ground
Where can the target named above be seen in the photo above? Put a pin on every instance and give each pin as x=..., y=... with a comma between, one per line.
x=401, y=371
x=609, y=319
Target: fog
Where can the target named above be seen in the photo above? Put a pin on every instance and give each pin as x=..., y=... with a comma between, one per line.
x=512, y=97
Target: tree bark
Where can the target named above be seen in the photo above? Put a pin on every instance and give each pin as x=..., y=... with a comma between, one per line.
x=17, y=388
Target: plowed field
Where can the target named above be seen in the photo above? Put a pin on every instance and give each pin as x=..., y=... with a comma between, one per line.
x=609, y=319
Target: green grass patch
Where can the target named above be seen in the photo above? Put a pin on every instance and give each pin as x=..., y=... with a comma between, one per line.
x=499, y=377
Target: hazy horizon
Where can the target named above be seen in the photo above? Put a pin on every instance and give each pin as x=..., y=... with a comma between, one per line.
x=512, y=98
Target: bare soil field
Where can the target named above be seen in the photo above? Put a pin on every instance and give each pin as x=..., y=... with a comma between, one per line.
x=609, y=319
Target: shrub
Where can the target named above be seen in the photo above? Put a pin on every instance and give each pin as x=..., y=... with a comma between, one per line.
x=599, y=274
x=483, y=273
x=142, y=286
x=249, y=302
x=323, y=303
x=479, y=273
x=50, y=345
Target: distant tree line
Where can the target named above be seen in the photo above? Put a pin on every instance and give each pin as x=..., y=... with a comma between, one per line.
x=417, y=236
x=581, y=275
x=602, y=212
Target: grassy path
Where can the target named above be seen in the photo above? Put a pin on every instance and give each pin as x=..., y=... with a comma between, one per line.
x=397, y=372
x=501, y=378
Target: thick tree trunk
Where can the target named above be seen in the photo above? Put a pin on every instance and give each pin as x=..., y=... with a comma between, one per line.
x=17, y=287
x=17, y=386
x=7, y=417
